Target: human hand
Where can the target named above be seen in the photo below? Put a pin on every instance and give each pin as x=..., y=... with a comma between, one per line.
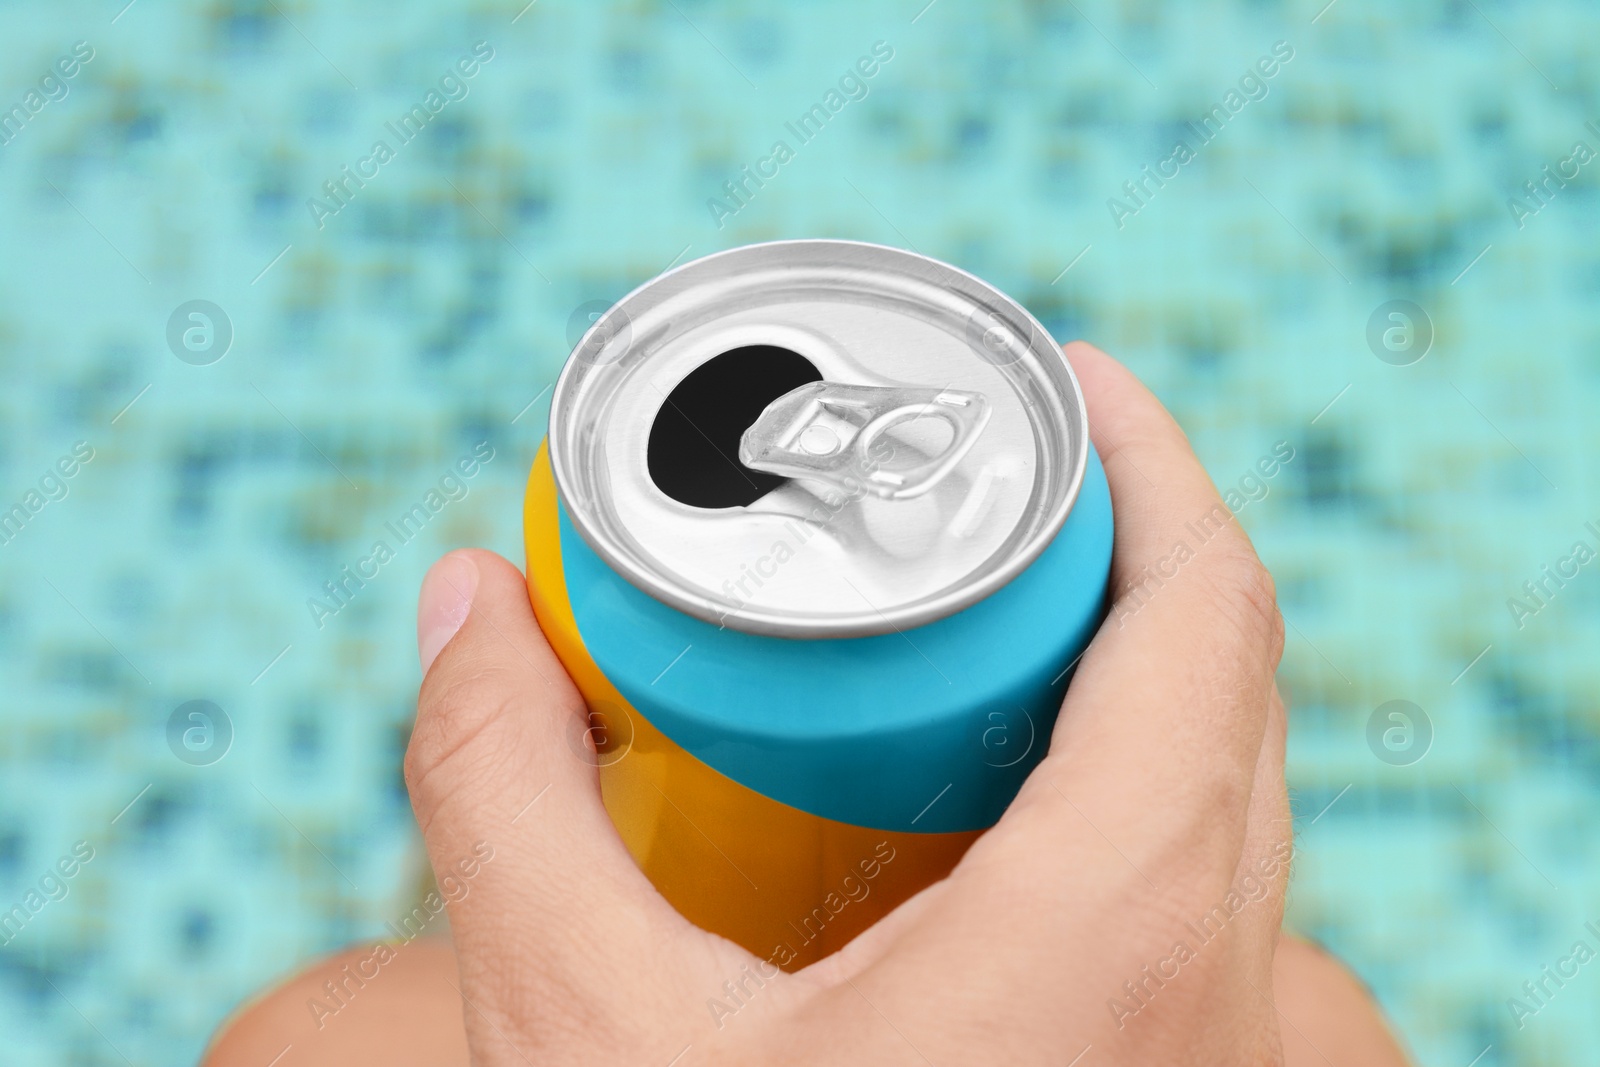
x=1157, y=819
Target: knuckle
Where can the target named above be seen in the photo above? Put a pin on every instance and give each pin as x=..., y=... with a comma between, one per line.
x=1247, y=596
x=458, y=720
x=1204, y=853
x=1214, y=826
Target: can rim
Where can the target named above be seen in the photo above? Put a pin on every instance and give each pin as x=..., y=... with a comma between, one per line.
x=777, y=624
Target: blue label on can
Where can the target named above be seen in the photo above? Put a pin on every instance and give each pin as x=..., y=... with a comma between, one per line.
x=928, y=730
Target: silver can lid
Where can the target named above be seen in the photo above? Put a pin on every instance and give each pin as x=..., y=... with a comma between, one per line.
x=923, y=442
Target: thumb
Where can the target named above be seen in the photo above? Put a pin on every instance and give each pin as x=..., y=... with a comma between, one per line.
x=500, y=765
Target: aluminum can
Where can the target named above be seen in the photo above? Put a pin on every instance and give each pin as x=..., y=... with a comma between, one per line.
x=819, y=532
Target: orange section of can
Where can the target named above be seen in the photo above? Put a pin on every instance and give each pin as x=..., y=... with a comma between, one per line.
x=787, y=885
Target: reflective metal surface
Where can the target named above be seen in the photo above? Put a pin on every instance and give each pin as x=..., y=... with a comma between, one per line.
x=812, y=559
x=838, y=435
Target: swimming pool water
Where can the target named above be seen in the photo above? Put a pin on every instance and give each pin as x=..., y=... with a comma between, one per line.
x=376, y=328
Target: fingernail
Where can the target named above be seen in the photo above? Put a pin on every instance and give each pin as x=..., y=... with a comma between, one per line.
x=442, y=607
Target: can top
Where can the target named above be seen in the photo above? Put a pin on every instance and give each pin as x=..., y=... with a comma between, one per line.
x=817, y=439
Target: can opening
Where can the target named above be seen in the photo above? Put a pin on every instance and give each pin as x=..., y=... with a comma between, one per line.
x=693, y=452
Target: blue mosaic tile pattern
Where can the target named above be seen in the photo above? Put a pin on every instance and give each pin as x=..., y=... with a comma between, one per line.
x=376, y=332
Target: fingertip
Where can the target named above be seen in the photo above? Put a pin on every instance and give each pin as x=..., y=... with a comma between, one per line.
x=1092, y=365
x=444, y=602
x=1081, y=350
x=1114, y=394
x=1126, y=417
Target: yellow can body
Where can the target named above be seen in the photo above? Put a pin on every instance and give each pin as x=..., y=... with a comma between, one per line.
x=789, y=886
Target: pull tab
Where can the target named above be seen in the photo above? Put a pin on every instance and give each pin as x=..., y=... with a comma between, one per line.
x=824, y=431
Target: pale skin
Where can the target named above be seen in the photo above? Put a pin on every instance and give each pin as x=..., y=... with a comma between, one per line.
x=1162, y=792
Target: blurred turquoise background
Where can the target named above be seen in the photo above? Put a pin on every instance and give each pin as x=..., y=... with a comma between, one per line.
x=432, y=310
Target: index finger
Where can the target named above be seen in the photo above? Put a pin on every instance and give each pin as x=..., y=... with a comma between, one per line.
x=1139, y=815
x=1170, y=702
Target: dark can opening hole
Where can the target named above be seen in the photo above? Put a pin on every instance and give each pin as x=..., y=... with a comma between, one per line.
x=693, y=453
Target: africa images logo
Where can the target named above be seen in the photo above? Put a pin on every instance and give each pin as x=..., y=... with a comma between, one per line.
x=453, y=86
x=852, y=86
x=1253, y=86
